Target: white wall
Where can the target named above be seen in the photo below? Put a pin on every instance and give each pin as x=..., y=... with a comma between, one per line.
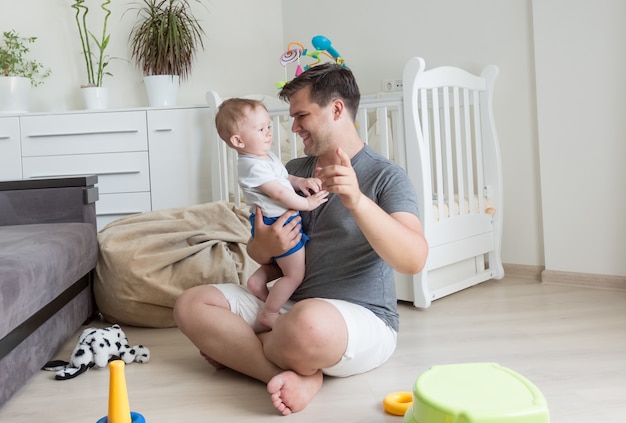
x=235, y=60
x=581, y=63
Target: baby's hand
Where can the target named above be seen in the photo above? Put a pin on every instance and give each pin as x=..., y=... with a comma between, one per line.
x=316, y=200
x=310, y=186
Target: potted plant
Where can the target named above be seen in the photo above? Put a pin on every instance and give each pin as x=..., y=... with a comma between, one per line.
x=164, y=43
x=93, y=49
x=17, y=73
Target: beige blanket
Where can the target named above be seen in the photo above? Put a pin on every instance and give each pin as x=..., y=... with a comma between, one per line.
x=147, y=260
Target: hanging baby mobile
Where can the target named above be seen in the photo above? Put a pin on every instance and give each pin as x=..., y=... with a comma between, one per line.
x=295, y=51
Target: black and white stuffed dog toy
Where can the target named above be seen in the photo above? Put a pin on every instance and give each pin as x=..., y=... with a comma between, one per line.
x=96, y=347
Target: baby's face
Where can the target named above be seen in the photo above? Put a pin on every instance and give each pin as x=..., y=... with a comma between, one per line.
x=256, y=132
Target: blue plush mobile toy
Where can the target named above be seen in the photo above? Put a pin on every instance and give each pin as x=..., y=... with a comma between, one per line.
x=323, y=47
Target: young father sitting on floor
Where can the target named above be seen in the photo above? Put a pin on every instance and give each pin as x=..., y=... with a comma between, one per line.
x=343, y=319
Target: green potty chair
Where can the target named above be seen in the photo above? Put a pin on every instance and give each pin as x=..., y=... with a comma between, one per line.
x=475, y=393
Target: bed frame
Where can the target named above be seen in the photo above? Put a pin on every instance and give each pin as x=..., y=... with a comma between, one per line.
x=441, y=130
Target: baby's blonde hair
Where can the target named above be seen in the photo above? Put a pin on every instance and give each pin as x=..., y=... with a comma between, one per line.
x=231, y=113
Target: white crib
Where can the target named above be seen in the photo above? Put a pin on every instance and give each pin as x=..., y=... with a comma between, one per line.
x=441, y=130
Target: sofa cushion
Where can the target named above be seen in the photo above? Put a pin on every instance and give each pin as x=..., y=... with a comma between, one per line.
x=38, y=262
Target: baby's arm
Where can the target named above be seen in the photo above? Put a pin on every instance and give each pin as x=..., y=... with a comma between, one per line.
x=289, y=199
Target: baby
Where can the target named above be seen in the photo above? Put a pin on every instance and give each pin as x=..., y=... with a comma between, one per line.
x=244, y=124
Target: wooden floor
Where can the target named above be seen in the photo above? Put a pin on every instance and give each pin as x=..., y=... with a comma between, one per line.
x=570, y=342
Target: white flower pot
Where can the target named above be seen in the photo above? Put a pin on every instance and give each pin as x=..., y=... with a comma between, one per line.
x=14, y=94
x=95, y=98
x=162, y=90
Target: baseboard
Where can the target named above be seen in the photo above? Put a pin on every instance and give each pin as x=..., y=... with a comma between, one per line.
x=583, y=280
x=523, y=271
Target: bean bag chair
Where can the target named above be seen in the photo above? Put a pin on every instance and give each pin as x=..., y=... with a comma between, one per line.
x=147, y=260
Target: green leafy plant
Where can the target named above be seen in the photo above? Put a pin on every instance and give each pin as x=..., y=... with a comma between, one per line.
x=96, y=60
x=13, y=61
x=166, y=37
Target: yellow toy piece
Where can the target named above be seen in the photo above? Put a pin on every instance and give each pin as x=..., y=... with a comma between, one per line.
x=397, y=403
x=119, y=408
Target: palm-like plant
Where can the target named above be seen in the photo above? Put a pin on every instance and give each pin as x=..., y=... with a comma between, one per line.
x=166, y=38
x=95, y=59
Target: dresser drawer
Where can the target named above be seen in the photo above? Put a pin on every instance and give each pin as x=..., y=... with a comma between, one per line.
x=76, y=133
x=111, y=207
x=117, y=172
x=10, y=158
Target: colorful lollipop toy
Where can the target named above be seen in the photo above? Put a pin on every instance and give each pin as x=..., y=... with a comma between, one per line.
x=295, y=51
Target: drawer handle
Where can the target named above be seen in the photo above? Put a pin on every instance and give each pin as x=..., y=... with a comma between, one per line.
x=69, y=134
x=65, y=175
x=5, y=137
x=163, y=130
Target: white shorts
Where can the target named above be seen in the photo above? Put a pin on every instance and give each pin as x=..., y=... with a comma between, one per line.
x=370, y=341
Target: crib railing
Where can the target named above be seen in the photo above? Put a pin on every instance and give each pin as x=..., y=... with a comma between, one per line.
x=450, y=119
x=380, y=124
x=450, y=165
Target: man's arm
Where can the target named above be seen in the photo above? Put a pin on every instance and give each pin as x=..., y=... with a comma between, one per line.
x=397, y=238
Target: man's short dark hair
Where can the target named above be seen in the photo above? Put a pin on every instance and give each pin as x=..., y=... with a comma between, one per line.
x=328, y=81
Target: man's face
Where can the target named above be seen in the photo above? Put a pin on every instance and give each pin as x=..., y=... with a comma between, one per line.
x=311, y=122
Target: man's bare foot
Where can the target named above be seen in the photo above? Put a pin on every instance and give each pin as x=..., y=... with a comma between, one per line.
x=216, y=364
x=291, y=392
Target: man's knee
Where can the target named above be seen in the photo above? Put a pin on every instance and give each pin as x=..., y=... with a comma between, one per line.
x=316, y=318
x=181, y=308
x=310, y=334
x=188, y=303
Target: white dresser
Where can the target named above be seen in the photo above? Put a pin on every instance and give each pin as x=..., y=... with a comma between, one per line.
x=145, y=159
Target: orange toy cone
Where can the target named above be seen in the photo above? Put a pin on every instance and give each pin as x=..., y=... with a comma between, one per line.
x=119, y=409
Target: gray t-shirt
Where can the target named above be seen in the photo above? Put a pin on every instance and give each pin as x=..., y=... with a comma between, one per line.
x=340, y=263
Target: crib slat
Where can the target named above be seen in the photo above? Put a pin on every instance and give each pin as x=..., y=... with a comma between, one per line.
x=425, y=117
x=436, y=142
x=277, y=137
x=223, y=168
x=293, y=140
x=232, y=182
x=293, y=143
x=458, y=151
x=362, y=124
x=480, y=182
x=383, y=130
x=469, y=152
x=397, y=134
x=448, y=164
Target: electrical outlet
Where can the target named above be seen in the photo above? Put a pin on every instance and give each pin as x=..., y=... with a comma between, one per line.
x=392, y=85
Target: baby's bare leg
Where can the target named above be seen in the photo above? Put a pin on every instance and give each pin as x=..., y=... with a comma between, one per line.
x=257, y=283
x=292, y=267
